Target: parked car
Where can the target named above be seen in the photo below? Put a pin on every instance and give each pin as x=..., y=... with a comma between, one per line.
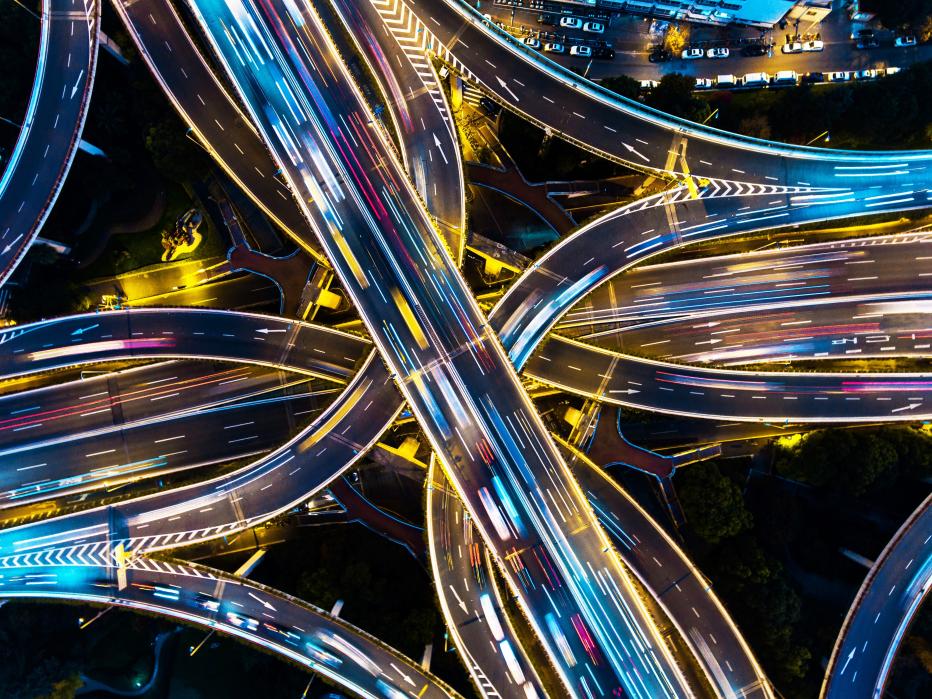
x=570, y=22
x=726, y=81
x=490, y=106
x=659, y=56
x=902, y=41
x=532, y=42
x=545, y=18
x=691, y=54
x=754, y=50
x=865, y=39
x=814, y=45
x=554, y=47
x=717, y=53
x=785, y=77
x=604, y=52
x=838, y=76
x=594, y=27
x=867, y=74
x=814, y=77
x=892, y=70
x=755, y=79
x=792, y=47
x=581, y=51
x=647, y=85
x=704, y=83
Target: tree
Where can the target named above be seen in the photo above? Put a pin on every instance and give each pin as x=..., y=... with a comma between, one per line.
x=622, y=85
x=676, y=39
x=173, y=154
x=674, y=95
x=757, y=126
x=713, y=503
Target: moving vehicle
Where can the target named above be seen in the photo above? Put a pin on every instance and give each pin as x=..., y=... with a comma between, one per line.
x=531, y=42
x=814, y=45
x=570, y=22
x=902, y=41
x=718, y=53
x=792, y=47
x=692, y=54
x=554, y=47
x=581, y=51
x=594, y=27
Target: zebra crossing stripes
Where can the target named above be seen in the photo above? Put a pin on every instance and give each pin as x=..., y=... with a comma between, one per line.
x=416, y=43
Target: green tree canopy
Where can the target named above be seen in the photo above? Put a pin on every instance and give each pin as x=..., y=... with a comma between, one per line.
x=714, y=507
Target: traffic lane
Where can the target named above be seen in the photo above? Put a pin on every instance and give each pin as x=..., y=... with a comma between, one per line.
x=179, y=333
x=824, y=329
x=398, y=251
x=53, y=123
x=254, y=613
x=206, y=106
x=127, y=453
x=730, y=394
x=99, y=403
x=859, y=267
x=469, y=597
x=292, y=473
x=430, y=150
x=677, y=585
x=630, y=132
x=886, y=603
x=581, y=262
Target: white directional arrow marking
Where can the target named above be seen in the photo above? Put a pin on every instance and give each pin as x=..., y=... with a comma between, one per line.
x=75, y=88
x=262, y=602
x=81, y=331
x=405, y=677
x=911, y=406
x=460, y=602
x=10, y=245
x=266, y=331
x=505, y=85
x=632, y=149
x=847, y=660
x=442, y=155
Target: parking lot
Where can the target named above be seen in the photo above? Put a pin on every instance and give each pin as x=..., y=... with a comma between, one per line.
x=631, y=44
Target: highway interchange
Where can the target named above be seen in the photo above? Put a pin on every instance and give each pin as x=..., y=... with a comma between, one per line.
x=305, y=118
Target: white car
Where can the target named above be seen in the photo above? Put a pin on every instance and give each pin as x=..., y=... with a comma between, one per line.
x=554, y=47
x=704, y=83
x=532, y=42
x=892, y=70
x=814, y=45
x=581, y=51
x=837, y=77
x=717, y=53
x=691, y=54
x=570, y=22
x=868, y=74
x=594, y=27
x=649, y=84
x=902, y=41
x=794, y=47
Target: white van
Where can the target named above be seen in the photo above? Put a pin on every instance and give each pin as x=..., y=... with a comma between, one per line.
x=756, y=79
x=726, y=81
x=785, y=77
